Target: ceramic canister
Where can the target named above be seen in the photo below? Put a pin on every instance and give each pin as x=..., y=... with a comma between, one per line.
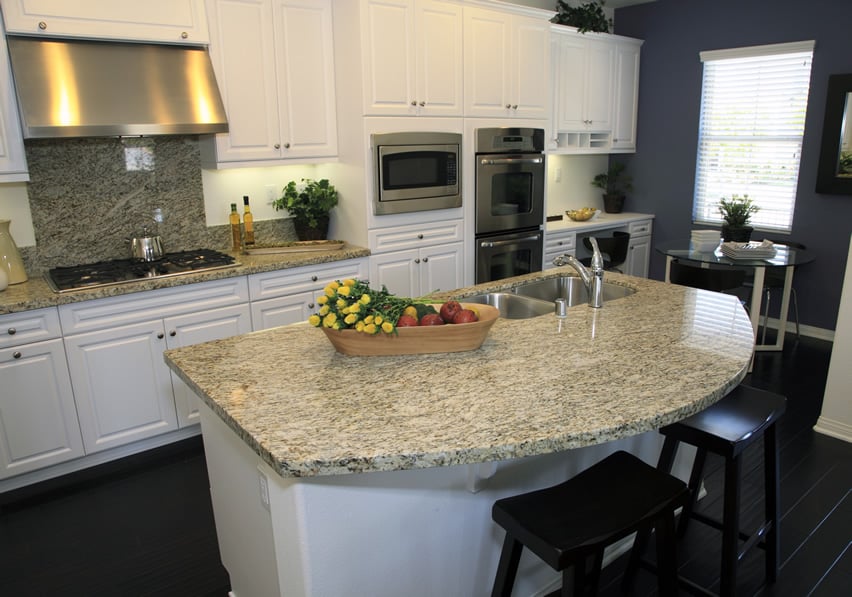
x=10, y=258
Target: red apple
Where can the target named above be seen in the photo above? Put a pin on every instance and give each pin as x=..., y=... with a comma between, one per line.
x=465, y=316
x=406, y=321
x=449, y=310
x=431, y=319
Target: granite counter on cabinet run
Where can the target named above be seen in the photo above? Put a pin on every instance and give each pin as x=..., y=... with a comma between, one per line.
x=540, y=400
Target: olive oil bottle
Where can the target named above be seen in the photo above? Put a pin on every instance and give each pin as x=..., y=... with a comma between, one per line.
x=248, y=222
x=236, y=236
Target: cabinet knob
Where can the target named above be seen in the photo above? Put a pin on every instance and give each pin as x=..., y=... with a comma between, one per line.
x=16, y=355
x=413, y=102
x=417, y=260
x=11, y=331
x=514, y=106
x=277, y=146
x=559, y=243
x=160, y=336
x=420, y=236
x=184, y=34
x=310, y=305
x=422, y=104
x=508, y=106
x=286, y=146
x=173, y=333
x=313, y=278
x=42, y=25
x=425, y=260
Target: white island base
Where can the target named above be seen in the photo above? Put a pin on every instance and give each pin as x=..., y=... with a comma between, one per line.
x=419, y=533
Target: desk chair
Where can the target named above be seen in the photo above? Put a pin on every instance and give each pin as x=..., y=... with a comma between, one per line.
x=706, y=278
x=613, y=248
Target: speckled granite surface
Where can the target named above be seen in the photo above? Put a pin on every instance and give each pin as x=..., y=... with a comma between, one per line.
x=36, y=294
x=535, y=386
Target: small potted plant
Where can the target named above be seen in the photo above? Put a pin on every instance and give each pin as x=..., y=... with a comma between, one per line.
x=310, y=205
x=615, y=184
x=736, y=212
x=586, y=17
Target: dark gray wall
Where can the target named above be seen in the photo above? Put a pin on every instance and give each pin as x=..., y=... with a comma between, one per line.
x=663, y=168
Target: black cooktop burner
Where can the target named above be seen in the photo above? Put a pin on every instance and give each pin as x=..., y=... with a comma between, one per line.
x=120, y=271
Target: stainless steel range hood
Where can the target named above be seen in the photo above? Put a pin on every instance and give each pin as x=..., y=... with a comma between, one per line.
x=78, y=88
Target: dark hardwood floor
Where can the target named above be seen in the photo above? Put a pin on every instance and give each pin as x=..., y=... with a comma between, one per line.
x=146, y=527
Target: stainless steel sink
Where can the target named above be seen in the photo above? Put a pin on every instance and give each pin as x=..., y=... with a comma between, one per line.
x=569, y=288
x=537, y=298
x=512, y=306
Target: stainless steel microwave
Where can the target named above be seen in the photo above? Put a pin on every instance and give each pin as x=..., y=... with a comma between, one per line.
x=416, y=171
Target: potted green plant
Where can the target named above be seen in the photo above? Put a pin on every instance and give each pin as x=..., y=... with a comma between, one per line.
x=586, y=17
x=615, y=184
x=736, y=213
x=310, y=205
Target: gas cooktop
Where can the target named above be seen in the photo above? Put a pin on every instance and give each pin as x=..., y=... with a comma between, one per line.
x=122, y=271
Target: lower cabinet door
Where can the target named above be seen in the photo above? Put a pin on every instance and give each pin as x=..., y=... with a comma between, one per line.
x=638, y=257
x=195, y=328
x=398, y=270
x=122, y=385
x=441, y=268
x=38, y=421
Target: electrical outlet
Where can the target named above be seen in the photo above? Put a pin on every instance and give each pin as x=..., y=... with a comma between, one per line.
x=264, y=490
x=271, y=192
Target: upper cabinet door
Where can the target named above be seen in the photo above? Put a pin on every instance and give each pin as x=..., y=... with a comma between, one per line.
x=506, y=62
x=274, y=64
x=585, y=83
x=172, y=21
x=13, y=160
x=412, y=58
x=626, y=103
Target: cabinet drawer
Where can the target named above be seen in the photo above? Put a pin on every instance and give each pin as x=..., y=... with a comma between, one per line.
x=303, y=279
x=554, y=243
x=642, y=228
x=154, y=304
x=29, y=326
x=416, y=236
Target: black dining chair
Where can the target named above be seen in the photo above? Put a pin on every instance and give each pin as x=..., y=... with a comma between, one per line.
x=613, y=248
x=715, y=279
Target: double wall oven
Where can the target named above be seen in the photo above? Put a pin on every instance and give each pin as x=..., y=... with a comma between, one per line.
x=509, y=202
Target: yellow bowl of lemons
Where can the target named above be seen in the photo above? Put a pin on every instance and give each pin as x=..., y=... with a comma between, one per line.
x=582, y=214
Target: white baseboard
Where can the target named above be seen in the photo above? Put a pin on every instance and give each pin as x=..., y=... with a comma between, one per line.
x=834, y=428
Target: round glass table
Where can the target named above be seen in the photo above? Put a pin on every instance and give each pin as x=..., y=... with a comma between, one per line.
x=785, y=257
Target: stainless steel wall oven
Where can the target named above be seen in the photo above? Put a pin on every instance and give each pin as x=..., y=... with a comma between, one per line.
x=509, y=202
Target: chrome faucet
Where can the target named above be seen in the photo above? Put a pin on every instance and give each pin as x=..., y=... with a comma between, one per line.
x=592, y=277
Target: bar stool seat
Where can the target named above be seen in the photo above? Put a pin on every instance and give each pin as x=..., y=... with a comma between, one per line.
x=566, y=524
x=727, y=428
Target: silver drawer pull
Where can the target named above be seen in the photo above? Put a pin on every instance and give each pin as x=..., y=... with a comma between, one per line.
x=503, y=161
x=11, y=331
x=16, y=355
x=487, y=244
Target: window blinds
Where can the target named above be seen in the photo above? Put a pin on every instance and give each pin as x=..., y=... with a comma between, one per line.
x=753, y=107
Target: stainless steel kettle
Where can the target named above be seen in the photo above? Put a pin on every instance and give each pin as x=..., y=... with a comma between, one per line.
x=146, y=248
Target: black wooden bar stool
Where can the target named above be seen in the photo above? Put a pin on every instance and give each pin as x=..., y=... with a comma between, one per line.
x=727, y=428
x=566, y=524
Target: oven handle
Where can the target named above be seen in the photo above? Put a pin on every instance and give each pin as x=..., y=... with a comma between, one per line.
x=502, y=161
x=488, y=244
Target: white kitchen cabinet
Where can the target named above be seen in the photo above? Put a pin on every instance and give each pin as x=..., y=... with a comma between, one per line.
x=289, y=296
x=639, y=251
x=626, y=95
x=583, y=73
x=170, y=21
x=122, y=386
x=13, y=159
x=506, y=64
x=412, y=58
x=556, y=244
x=274, y=63
x=38, y=419
x=418, y=259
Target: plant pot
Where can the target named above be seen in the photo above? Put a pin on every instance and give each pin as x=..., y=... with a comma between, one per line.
x=306, y=232
x=613, y=204
x=737, y=234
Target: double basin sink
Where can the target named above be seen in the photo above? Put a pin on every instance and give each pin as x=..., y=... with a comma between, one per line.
x=539, y=297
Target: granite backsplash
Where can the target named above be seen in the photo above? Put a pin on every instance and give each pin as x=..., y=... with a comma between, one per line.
x=87, y=196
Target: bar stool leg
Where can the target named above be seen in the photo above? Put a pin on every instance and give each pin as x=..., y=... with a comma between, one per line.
x=695, y=477
x=772, y=490
x=731, y=530
x=507, y=569
x=666, y=556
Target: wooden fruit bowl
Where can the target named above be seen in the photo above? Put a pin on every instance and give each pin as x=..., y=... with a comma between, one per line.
x=418, y=340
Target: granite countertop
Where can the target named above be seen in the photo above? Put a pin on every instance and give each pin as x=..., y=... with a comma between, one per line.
x=36, y=294
x=535, y=386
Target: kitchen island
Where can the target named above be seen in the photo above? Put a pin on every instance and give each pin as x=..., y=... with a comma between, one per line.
x=335, y=475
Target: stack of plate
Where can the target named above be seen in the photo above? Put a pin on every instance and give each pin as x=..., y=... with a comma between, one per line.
x=705, y=240
x=752, y=250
